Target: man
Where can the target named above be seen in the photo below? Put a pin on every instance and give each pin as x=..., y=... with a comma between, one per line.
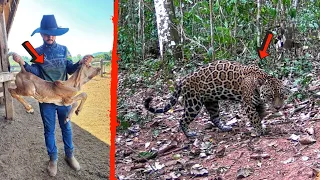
x=57, y=64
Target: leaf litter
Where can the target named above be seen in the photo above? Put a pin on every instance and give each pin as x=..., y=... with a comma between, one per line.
x=289, y=151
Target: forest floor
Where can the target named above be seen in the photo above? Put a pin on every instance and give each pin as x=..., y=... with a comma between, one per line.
x=158, y=150
x=23, y=151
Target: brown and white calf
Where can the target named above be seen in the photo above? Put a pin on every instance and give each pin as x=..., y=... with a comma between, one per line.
x=61, y=93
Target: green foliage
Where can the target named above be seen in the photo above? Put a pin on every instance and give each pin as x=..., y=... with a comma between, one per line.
x=145, y=154
x=234, y=38
x=299, y=67
x=125, y=118
x=103, y=55
x=301, y=82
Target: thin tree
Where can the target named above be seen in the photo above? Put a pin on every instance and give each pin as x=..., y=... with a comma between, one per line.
x=258, y=22
x=211, y=30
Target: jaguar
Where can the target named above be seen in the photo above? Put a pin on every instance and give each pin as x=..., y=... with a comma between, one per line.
x=225, y=80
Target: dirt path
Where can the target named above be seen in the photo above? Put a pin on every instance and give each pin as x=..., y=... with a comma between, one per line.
x=94, y=117
x=22, y=149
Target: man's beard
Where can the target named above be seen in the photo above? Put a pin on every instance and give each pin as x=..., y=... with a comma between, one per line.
x=50, y=41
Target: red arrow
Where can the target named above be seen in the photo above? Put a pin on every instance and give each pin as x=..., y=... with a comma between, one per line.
x=262, y=51
x=36, y=58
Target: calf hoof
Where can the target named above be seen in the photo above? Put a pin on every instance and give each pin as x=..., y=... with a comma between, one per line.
x=30, y=111
x=77, y=112
x=66, y=120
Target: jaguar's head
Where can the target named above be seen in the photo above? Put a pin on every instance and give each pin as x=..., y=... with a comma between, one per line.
x=273, y=92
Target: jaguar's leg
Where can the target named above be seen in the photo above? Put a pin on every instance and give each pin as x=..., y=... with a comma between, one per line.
x=251, y=98
x=213, y=110
x=259, y=105
x=261, y=109
x=192, y=107
x=255, y=118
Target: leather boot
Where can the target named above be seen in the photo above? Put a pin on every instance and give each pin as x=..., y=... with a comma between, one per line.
x=52, y=168
x=73, y=163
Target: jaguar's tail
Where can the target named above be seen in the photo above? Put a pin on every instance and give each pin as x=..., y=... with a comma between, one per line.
x=167, y=107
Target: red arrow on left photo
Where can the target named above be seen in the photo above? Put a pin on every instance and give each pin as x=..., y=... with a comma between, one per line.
x=36, y=58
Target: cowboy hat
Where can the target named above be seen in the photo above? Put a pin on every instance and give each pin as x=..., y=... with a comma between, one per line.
x=49, y=26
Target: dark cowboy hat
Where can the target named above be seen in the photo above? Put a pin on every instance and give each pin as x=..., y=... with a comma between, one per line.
x=49, y=26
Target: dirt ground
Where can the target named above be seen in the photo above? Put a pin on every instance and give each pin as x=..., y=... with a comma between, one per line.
x=95, y=115
x=217, y=155
x=23, y=152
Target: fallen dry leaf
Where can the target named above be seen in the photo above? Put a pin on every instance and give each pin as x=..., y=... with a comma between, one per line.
x=203, y=155
x=221, y=151
x=260, y=156
x=244, y=172
x=305, y=117
x=198, y=170
x=305, y=158
x=290, y=160
x=294, y=137
x=146, y=145
x=306, y=140
x=310, y=131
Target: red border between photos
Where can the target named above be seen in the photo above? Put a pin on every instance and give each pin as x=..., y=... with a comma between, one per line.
x=113, y=92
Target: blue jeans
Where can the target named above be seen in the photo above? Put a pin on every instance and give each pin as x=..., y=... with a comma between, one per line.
x=48, y=113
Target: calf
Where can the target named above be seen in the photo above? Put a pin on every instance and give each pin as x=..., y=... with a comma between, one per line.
x=61, y=93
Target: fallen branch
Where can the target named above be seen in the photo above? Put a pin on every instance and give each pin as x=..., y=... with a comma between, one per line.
x=297, y=110
x=168, y=148
x=138, y=166
x=176, y=150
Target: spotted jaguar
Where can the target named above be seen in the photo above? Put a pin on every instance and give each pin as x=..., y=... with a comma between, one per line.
x=225, y=80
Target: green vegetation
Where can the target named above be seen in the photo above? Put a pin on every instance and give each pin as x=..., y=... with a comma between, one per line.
x=236, y=34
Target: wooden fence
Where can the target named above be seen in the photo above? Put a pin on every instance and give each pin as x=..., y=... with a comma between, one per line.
x=7, y=12
x=102, y=66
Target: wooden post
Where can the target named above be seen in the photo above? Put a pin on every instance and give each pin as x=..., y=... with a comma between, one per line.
x=4, y=66
x=101, y=66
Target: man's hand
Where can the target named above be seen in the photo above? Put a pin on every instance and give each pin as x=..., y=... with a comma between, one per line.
x=86, y=59
x=17, y=58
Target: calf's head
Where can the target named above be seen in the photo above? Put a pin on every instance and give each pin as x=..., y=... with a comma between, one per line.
x=86, y=73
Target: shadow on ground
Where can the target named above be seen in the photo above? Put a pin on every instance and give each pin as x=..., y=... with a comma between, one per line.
x=23, y=153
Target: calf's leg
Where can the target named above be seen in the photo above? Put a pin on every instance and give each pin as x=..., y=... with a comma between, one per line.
x=73, y=108
x=26, y=105
x=83, y=98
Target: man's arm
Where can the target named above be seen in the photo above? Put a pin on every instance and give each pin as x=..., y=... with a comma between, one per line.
x=33, y=68
x=71, y=68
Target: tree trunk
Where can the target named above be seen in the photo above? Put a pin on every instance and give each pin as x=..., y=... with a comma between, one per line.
x=181, y=29
x=174, y=33
x=167, y=31
x=211, y=29
x=258, y=23
x=162, y=24
x=141, y=27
